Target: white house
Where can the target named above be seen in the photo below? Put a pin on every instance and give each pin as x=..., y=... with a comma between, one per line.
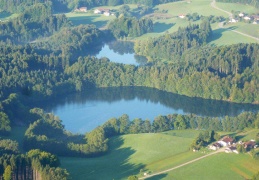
x=247, y=18
x=83, y=9
x=233, y=20
x=181, y=16
x=241, y=15
x=106, y=13
x=226, y=141
x=97, y=11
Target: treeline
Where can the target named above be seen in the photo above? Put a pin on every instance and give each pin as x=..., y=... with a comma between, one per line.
x=123, y=125
x=130, y=27
x=5, y=123
x=33, y=72
x=254, y=3
x=35, y=164
x=48, y=134
x=66, y=5
x=204, y=138
x=170, y=45
x=37, y=21
x=19, y=6
x=72, y=42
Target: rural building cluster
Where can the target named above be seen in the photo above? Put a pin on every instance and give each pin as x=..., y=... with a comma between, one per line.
x=231, y=145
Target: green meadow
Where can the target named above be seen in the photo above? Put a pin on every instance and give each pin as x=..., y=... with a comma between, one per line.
x=237, y=7
x=166, y=20
x=220, y=166
x=138, y=153
x=132, y=154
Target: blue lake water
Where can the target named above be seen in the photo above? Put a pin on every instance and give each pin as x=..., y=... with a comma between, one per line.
x=121, y=52
x=83, y=112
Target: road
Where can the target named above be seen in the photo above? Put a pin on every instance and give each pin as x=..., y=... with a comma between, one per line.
x=213, y=4
x=184, y=164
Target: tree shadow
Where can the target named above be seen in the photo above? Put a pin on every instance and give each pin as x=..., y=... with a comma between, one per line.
x=218, y=33
x=115, y=164
x=88, y=20
x=4, y=14
x=158, y=177
x=162, y=27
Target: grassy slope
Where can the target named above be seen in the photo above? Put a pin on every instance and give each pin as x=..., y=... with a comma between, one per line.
x=202, y=7
x=154, y=152
x=130, y=153
x=237, y=7
x=220, y=166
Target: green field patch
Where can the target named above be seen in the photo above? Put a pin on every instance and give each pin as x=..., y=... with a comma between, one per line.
x=202, y=7
x=87, y=18
x=129, y=154
x=219, y=166
x=237, y=7
x=224, y=36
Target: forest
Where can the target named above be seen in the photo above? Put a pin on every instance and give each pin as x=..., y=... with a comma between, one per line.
x=43, y=55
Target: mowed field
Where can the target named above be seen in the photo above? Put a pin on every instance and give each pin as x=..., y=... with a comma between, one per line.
x=130, y=153
x=139, y=153
x=222, y=36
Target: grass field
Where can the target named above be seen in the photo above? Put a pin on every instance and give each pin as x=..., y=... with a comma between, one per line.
x=219, y=166
x=151, y=153
x=88, y=18
x=237, y=7
x=130, y=153
x=222, y=36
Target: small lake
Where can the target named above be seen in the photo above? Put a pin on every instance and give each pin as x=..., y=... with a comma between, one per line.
x=121, y=52
x=83, y=112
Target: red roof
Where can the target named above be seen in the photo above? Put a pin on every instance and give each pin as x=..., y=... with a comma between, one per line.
x=227, y=139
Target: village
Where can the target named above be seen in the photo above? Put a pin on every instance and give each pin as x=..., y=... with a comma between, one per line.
x=254, y=19
x=233, y=147
x=104, y=11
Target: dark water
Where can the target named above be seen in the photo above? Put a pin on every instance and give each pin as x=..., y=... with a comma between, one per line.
x=121, y=52
x=85, y=111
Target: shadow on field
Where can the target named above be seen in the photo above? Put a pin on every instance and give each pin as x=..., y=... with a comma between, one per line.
x=158, y=177
x=216, y=34
x=120, y=167
x=162, y=27
x=88, y=20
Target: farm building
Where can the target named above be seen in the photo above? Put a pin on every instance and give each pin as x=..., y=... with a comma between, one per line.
x=226, y=141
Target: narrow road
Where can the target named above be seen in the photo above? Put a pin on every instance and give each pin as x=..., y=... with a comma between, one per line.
x=213, y=4
x=184, y=164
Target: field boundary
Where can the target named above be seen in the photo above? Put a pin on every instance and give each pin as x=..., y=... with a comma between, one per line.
x=213, y=4
x=184, y=164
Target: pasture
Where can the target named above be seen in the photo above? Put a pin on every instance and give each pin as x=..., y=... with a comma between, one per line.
x=130, y=154
x=166, y=20
x=138, y=153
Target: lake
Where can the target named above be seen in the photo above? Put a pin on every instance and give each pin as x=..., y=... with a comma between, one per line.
x=121, y=52
x=82, y=112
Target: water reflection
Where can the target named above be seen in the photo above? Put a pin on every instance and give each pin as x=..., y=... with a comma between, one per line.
x=82, y=112
x=121, y=52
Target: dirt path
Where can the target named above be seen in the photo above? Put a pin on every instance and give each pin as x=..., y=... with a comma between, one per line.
x=184, y=164
x=213, y=4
